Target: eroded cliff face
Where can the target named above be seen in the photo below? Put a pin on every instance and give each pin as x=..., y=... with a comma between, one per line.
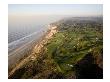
x=35, y=52
x=37, y=49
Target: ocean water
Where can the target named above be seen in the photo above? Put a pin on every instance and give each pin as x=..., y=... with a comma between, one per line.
x=23, y=29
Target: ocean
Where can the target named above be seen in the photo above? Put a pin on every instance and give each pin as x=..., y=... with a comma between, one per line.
x=23, y=29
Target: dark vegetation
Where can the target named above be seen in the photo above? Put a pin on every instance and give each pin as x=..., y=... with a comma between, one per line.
x=76, y=51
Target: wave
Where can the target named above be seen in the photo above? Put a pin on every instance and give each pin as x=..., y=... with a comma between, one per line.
x=16, y=44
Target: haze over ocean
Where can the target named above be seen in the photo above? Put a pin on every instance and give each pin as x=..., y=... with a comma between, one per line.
x=24, y=19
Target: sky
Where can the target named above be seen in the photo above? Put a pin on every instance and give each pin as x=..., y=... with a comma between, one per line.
x=56, y=9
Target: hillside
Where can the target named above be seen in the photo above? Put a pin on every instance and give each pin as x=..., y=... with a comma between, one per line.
x=71, y=49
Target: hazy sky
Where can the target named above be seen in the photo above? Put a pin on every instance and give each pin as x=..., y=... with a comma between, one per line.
x=59, y=9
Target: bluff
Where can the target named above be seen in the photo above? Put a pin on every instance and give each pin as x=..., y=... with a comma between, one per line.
x=71, y=49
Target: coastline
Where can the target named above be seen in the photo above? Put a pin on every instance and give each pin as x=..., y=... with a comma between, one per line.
x=73, y=52
x=36, y=49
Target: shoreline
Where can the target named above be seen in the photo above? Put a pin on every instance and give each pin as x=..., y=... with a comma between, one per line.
x=25, y=49
x=36, y=49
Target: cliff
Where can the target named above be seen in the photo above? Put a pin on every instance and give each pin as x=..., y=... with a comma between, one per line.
x=69, y=50
x=36, y=50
